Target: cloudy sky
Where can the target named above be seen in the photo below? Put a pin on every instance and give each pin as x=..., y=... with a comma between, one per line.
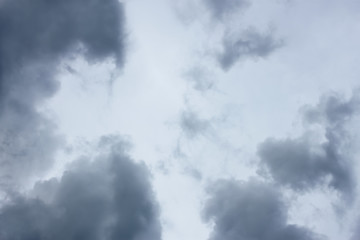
x=179, y=119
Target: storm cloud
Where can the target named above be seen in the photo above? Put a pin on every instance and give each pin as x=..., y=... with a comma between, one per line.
x=303, y=163
x=34, y=37
x=107, y=196
x=250, y=43
x=250, y=210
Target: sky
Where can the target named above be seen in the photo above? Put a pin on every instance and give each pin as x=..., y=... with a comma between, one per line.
x=179, y=119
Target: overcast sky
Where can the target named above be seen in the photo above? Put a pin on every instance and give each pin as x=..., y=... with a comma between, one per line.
x=179, y=120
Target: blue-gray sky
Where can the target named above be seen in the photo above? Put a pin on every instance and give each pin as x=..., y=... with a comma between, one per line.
x=205, y=119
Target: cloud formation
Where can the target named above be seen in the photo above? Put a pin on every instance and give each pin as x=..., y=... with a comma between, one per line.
x=105, y=197
x=201, y=78
x=34, y=37
x=250, y=210
x=249, y=44
x=302, y=163
x=219, y=9
x=356, y=233
x=192, y=125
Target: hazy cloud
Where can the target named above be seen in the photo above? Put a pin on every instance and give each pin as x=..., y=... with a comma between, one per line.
x=303, y=163
x=356, y=231
x=192, y=125
x=356, y=234
x=219, y=9
x=34, y=37
x=250, y=210
x=201, y=79
x=248, y=44
x=106, y=197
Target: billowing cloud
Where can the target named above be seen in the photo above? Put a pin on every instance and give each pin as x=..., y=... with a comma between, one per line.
x=248, y=44
x=48, y=30
x=104, y=197
x=303, y=163
x=250, y=210
x=34, y=37
x=219, y=9
x=333, y=110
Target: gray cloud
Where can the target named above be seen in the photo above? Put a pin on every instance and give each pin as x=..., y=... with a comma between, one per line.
x=332, y=110
x=34, y=37
x=250, y=210
x=303, y=163
x=249, y=44
x=219, y=9
x=201, y=78
x=28, y=143
x=106, y=197
x=355, y=235
x=192, y=125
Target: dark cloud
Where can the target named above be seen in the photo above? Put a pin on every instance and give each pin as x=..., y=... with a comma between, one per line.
x=356, y=232
x=302, y=163
x=107, y=197
x=219, y=9
x=34, y=36
x=47, y=30
x=192, y=125
x=332, y=110
x=249, y=44
x=27, y=144
x=250, y=210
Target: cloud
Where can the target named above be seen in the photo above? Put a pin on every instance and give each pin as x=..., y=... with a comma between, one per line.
x=48, y=30
x=332, y=110
x=249, y=44
x=302, y=163
x=192, y=125
x=34, y=37
x=250, y=210
x=201, y=78
x=219, y=9
x=356, y=234
x=104, y=197
x=234, y=46
x=28, y=142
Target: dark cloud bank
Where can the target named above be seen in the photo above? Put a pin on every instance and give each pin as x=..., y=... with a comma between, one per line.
x=107, y=197
x=303, y=164
x=250, y=210
x=34, y=37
